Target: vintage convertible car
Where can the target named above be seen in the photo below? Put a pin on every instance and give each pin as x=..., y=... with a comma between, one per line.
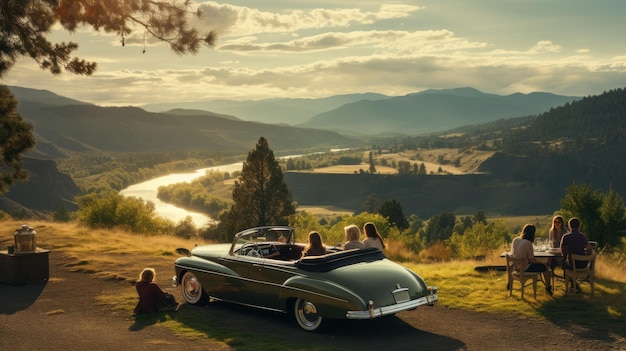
x=264, y=268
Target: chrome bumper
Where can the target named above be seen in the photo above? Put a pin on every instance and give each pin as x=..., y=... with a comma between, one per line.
x=374, y=312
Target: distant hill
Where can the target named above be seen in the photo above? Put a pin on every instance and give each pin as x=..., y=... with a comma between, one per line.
x=65, y=125
x=432, y=111
x=47, y=189
x=579, y=143
x=375, y=114
x=274, y=111
x=42, y=97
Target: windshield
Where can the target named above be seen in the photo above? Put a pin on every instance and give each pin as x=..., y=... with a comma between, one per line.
x=262, y=235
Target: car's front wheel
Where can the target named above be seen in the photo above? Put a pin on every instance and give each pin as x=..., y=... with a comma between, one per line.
x=192, y=289
x=306, y=315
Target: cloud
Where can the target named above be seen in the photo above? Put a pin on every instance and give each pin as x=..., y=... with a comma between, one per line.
x=545, y=46
x=423, y=41
x=231, y=20
x=316, y=52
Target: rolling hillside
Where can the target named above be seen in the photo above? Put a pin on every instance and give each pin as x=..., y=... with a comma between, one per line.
x=64, y=125
x=432, y=111
x=274, y=111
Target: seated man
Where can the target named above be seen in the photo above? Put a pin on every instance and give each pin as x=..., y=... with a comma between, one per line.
x=574, y=242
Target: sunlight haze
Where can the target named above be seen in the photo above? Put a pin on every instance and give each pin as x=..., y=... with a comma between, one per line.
x=312, y=49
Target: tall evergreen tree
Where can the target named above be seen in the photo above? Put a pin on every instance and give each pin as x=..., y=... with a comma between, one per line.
x=583, y=201
x=260, y=194
x=392, y=210
x=372, y=162
x=613, y=215
x=440, y=227
x=16, y=137
x=370, y=203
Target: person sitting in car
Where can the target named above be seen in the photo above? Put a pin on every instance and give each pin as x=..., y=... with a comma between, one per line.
x=353, y=238
x=315, y=247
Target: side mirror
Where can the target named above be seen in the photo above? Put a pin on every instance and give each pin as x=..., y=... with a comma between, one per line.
x=184, y=252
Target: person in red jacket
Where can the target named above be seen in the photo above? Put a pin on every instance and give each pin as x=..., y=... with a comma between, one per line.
x=151, y=297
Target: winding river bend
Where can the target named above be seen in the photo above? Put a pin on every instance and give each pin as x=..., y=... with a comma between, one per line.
x=148, y=192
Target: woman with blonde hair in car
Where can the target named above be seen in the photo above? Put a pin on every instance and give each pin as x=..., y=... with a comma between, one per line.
x=353, y=238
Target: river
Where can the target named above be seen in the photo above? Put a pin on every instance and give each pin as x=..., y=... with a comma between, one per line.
x=148, y=192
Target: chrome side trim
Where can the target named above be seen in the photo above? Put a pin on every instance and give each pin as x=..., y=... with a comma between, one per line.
x=249, y=305
x=392, y=309
x=276, y=285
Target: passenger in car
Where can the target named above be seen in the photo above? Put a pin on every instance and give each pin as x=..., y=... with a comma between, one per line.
x=315, y=247
x=372, y=237
x=353, y=238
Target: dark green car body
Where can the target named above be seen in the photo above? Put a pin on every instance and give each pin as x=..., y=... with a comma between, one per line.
x=263, y=268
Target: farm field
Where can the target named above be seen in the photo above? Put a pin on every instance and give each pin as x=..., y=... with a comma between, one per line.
x=469, y=161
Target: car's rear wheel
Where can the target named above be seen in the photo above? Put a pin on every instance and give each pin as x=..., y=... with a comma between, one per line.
x=192, y=289
x=306, y=315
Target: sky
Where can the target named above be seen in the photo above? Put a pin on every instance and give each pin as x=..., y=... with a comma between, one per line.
x=312, y=49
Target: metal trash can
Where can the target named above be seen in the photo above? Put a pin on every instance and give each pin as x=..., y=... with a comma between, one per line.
x=25, y=239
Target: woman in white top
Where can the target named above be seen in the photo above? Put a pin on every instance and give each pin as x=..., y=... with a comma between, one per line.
x=522, y=246
x=372, y=238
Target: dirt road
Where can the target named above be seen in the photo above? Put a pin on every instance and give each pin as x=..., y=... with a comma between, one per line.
x=62, y=314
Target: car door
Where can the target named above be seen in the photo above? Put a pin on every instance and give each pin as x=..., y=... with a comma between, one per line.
x=247, y=281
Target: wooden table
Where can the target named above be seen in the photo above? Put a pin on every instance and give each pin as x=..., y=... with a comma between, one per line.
x=541, y=255
x=544, y=256
x=24, y=267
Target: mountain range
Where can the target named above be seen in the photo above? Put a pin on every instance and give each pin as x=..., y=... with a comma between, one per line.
x=63, y=125
x=66, y=125
x=371, y=114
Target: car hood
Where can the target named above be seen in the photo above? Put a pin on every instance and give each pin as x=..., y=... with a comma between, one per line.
x=211, y=251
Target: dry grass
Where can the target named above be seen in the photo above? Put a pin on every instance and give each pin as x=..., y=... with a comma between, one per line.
x=469, y=160
x=109, y=254
x=325, y=211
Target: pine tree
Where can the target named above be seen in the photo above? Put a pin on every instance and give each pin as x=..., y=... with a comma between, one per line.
x=372, y=162
x=26, y=26
x=16, y=137
x=260, y=194
x=392, y=210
